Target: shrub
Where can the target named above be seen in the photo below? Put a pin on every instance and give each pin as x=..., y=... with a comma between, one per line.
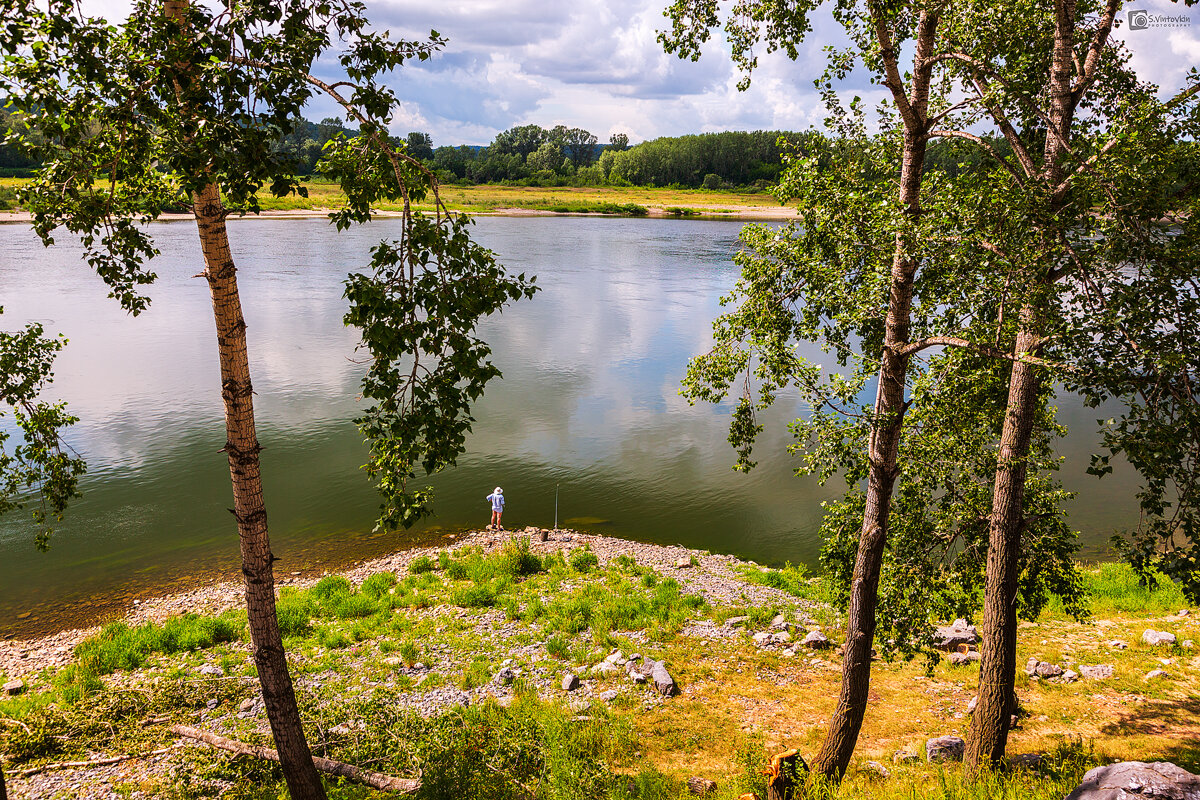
x=330, y=586
x=474, y=596
x=558, y=647
x=421, y=564
x=584, y=560
x=711, y=181
x=378, y=584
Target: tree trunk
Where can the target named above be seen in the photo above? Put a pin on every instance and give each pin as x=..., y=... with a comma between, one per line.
x=241, y=447
x=884, y=444
x=987, y=737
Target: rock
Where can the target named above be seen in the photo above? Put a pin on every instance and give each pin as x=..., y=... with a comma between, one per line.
x=616, y=657
x=1156, y=638
x=1160, y=780
x=1047, y=670
x=701, y=786
x=782, y=637
x=944, y=748
x=734, y=622
x=949, y=637
x=608, y=696
x=1117, y=644
x=606, y=668
x=540, y=536
x=1031, y=665
x=246, y=706
x=1183, y=612
x=1099, y=672
x=15, y=686
x=905, y=757
x=570, y=683
x=663, y=680
x=210, y=669
x=962, y=659
x=1068, y=676
x=816, y=640
x=874, y=768
x=1187, y=643
x=683, y=563
x=1155, y=674
x=1026, y=760
x=763, y=638
x=211, y=704
x=504, y=676
x=971, y=705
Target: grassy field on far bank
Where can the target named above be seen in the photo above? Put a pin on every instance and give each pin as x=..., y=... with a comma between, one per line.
x=560, y=199
x=405, y=672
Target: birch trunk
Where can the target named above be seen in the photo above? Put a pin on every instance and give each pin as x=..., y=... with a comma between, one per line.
x=242, y=448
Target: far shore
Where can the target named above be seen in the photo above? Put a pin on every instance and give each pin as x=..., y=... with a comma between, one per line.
x=746, y=213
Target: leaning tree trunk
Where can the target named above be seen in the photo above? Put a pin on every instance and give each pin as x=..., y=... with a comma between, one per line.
x=883, y=447
x=241, y=447
x=987, y=737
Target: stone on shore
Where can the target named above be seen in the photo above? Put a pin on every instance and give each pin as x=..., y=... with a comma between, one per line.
x=1098, y=672
x=944, y=748
x=949, y=637
x=1160, y=780
x=1156, y=638
x=14, y=686
x=570, y=682
x=663, y=680
x=816, y=640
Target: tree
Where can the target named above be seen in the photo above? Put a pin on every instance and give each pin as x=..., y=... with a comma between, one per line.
x=829, y=279
x=182, y=103
x=618, y=142
x=1085, y=136
x=420, y=145
x=522, y=140
x=709, y=378
x=580, y=146
x=38, y=470
x=548, y=156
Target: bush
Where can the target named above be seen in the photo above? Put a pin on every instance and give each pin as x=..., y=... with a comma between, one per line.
x=711, y=181
x=378, y=584
x=474, y=596
x=421, y=564
x=515, y=559
x=584, y=560
x=330, y=586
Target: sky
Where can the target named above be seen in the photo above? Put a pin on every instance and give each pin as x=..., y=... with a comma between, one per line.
x=597, y=64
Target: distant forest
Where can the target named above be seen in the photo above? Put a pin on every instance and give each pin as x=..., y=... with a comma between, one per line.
x=530, y=155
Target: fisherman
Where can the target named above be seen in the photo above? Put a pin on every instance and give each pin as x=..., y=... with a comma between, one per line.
x=496, y=498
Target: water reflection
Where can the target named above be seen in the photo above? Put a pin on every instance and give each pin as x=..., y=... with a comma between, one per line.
x=589, y=403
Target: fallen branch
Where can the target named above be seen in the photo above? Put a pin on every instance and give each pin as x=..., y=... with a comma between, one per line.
x=376, y=780
x=95, y=762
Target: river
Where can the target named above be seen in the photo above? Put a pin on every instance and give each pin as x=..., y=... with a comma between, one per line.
x=588, y=411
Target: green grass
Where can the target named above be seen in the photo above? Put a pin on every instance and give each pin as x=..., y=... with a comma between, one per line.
x=119, y=646
x=1114, y=588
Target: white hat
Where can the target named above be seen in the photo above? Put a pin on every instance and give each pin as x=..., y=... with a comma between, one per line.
x=499, y=490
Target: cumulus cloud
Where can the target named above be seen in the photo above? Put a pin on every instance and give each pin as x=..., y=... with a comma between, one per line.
x=598, y=65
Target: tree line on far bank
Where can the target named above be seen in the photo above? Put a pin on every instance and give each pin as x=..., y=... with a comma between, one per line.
x=531, y=155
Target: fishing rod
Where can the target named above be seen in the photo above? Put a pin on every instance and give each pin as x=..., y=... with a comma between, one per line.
x=556, y=506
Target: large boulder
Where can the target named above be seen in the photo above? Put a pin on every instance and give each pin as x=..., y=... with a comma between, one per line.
x=949, y=637
x=1156, y=638
x=944, y=748
x=1160, y=780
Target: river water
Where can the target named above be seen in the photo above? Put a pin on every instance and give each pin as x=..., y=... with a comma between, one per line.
x=588, y=407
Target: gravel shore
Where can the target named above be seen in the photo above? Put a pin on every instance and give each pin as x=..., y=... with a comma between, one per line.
x=714, y=577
